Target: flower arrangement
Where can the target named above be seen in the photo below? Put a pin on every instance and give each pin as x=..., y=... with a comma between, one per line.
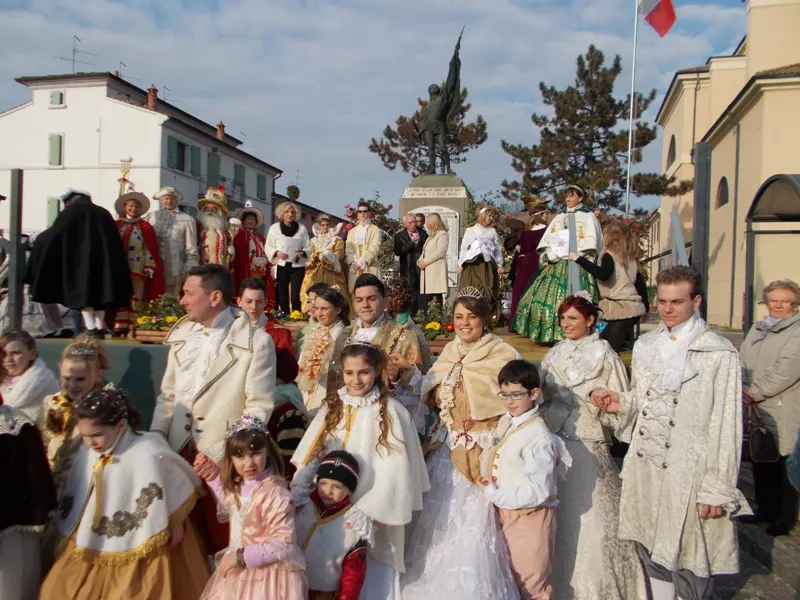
x=435, y=321
x=295, y=315
x=161, y=313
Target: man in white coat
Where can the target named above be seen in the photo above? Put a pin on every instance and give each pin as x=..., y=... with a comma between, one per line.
x=683, y=419
x=363, y=247
x=177, y=238
x=218, y=368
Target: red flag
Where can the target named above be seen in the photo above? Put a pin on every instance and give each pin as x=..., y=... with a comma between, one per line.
x=659, y=13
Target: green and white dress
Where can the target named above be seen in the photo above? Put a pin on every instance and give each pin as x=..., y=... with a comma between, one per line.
x=537, y=312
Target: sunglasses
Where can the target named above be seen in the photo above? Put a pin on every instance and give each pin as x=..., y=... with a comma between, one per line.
x=363, y=211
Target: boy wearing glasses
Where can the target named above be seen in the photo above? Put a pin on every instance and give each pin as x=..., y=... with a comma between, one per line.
x=519, y=475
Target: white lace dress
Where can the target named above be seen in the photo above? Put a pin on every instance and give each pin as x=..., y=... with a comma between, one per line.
x=455, y=548
x=591, y=562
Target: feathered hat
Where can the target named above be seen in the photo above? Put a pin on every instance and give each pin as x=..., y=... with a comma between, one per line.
x=215, y=196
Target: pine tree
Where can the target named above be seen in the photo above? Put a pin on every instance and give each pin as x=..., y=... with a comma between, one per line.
x=584, y=142
x=403, y=146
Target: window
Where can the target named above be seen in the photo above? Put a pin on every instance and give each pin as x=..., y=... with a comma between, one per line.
x=176, y=153
x=56, y=99
x=212, y=171
x=53, y=208
x=194, y=161
x=261, y=187
x=671, y=152
x=722, y=192
x=238, y=177
x=180, y=164
x=56, y=149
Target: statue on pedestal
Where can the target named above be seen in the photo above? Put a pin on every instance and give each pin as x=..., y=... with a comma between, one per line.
x=440, y=107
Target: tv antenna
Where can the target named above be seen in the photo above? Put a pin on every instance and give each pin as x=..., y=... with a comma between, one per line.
x=298, y=179
x=122, y=76
x=75, y=52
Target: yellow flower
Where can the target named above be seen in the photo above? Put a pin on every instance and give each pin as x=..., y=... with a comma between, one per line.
x=171, y=319
x=142, y=320
x=296, y=314
x=434, y=325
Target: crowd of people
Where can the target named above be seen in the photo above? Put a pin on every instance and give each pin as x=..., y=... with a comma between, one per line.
x=346, y=462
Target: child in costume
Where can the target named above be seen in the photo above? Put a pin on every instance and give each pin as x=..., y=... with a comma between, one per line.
x=519, y=475
x=335, y=535
x=376, y=429
x=124, y=512
x=262, y=559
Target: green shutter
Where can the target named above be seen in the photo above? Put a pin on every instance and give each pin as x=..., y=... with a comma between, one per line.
x=194, y=164
x=212, y=173
x=172, y=152
x=56, y=148
x=56, y=98
x=238, y=175
x=53, y=208
x=261, y=187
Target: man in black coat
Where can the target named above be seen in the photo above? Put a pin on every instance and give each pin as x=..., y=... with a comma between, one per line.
x=408, y=244
x=79, y=262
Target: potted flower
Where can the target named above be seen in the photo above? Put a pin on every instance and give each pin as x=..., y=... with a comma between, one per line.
x=294, y=321
x=156, y=318
x=436, y=326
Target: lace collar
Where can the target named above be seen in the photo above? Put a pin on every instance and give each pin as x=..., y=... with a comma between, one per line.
x=575, y=361
x=370, y=398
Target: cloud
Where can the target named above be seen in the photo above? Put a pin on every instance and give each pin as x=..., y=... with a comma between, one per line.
x=310, y=82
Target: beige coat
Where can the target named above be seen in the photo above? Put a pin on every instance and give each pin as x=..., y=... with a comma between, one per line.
x=367, y=253
x=771, y=367
x=240, y=380
x=433, y=278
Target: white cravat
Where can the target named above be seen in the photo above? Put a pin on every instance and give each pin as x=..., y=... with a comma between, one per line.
x=367, y=334
x=673, y=348
x=202, y=347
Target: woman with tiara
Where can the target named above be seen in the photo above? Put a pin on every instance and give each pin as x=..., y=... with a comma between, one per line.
x=559, y=276
x=455, y=548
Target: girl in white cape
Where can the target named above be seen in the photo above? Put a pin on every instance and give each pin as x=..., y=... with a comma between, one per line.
x=123, y=518
x=364, y=420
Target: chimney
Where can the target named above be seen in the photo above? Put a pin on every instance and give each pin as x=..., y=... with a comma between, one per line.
x=152, y=97
x=221, y=131
x=116, y=73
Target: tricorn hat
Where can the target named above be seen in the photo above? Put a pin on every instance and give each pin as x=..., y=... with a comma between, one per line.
x=249, y=209
x=119, y=205
x=168, y=191
x=214, y=196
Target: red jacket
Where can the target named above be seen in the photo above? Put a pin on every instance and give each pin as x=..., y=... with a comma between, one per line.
x=156, y=287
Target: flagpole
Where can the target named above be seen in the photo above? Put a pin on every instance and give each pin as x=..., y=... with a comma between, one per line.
x=633, y=100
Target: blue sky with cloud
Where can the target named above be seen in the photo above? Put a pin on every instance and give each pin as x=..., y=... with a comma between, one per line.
x=310, y=82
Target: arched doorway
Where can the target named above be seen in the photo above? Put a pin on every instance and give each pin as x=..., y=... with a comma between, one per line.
x=773, y=240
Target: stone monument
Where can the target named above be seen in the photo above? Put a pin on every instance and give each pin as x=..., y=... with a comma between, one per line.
x=443, y=193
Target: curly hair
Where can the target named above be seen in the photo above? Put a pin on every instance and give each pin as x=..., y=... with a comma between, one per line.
x=108, y=406
x=376, y=358
x=283, y=207
x=398, y=297
x=90, y=351
x=620, y=240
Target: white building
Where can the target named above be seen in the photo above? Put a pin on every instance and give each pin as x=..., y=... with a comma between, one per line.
x=76, y=130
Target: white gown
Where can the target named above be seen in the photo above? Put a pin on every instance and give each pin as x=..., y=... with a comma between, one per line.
x=456, y=549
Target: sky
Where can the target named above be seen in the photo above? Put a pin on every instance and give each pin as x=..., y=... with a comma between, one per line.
x=306, y=84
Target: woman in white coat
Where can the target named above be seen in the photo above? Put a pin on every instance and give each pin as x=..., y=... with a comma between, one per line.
x=433, y=263
x=289, y=247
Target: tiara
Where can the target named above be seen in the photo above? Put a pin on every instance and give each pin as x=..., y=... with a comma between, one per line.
x=585, y=295
x=80, y=351
x=484, y=209
x=336, y=287
x=353, y=341
x=470, y=292
x=247, y=421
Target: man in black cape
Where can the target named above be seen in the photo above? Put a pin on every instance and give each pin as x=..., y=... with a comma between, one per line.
x=79, y=262
x=408, y=243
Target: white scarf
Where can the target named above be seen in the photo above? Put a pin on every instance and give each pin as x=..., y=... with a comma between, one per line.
x=575, y=361
x=673, y=350
x=120, y=505
x=28, y=391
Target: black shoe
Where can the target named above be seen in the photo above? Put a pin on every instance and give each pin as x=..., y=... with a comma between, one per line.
x=778, y=529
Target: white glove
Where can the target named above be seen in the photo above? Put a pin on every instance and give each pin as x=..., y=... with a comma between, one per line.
x=231, y=250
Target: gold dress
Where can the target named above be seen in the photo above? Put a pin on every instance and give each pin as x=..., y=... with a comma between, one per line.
x=326, y=264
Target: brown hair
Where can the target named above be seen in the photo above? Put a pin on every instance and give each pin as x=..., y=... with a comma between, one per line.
x=619, y=240
x=478, y=306
x=541, y=218
x=376, y=358
x=23, y=337
x=91, y=352
x=398, y=296
x=679, y=274
x=582, y=305
x=241, y=443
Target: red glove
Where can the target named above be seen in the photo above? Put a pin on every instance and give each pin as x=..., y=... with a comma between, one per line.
x=354, y=571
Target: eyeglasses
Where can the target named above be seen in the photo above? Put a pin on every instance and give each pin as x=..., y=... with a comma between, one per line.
x=513, y=395
x=780, y=302
x=363, y=211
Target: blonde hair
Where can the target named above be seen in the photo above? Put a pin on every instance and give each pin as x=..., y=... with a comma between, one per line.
x=434, y=223
x=484, y=216
x=321, y=217
x=781, y=284
x=283, y=207
x=90, y=352
x=619, y=240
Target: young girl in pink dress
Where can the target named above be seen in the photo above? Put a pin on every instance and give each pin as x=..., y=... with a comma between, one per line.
x=262, y=559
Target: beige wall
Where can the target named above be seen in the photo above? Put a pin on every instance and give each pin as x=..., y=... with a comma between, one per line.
x=772, y=34
x=728, y=76
x=765, y=268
